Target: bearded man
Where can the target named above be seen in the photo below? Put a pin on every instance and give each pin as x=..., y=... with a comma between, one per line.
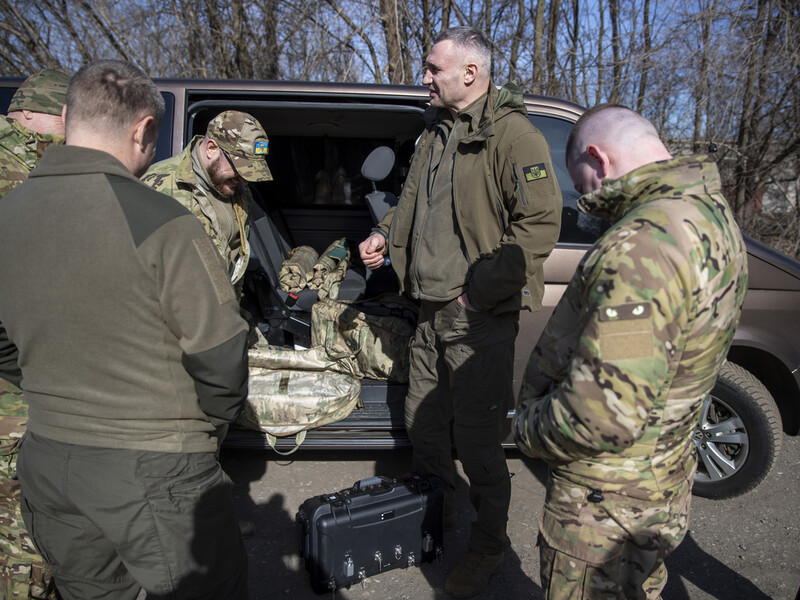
x=210, y=178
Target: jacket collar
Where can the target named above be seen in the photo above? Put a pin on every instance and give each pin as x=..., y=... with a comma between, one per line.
x=35, y=143
x=59, y=159
x=678, y=176
x=494, y=105
x=184, y=173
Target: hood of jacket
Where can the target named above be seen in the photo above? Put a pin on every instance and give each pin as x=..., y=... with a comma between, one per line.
x=675, y=177
x=500, y=103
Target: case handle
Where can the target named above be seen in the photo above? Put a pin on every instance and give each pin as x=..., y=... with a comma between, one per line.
x=385, y=482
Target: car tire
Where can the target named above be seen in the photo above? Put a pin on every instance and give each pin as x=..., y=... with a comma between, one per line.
x=738, y=436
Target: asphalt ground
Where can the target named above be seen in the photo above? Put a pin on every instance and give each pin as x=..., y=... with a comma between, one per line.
x=744, y=548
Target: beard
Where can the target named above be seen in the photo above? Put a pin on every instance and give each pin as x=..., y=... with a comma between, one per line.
x=226, y=186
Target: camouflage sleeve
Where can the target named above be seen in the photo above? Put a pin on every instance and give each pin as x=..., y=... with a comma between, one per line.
x=9, y=369
x=12, y=174
x=532, y=199
x=550, y=359
x=635, y=297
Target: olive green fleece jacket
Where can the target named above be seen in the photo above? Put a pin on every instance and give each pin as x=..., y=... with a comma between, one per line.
x=118, y=309
x=506, y=199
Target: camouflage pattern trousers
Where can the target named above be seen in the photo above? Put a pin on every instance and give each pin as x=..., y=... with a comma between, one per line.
x=611, y=549
x=23, y=573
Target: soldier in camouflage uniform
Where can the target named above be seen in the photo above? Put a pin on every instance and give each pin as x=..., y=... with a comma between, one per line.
x=615, y=385
x=33, y=123
x=210, y=178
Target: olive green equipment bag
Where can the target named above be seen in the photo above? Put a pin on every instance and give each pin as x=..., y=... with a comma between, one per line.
x=292, y=391
x=378, y=332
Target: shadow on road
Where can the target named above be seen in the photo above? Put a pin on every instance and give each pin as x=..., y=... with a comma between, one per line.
x=276, y=570
x=691, y=563
x=688, y=563
x=273, y=553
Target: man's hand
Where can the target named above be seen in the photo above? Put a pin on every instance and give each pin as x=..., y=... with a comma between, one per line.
x=372, y=250
x=463, y=300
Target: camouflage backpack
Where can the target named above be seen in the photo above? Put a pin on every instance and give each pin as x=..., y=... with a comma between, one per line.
x=292, y=391
x=377, y=331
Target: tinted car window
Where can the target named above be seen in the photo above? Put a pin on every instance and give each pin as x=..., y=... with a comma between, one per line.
x=164, y=143
x=316, y=149
x=5, y=99
x=576, y=227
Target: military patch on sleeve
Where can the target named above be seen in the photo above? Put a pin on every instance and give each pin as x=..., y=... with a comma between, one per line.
x=211, y=261
x=534, y=172
x=626, y=331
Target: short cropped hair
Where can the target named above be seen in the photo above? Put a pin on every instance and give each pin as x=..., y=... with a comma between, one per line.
x=473, y=40
x=112, y=95
x=571, y=151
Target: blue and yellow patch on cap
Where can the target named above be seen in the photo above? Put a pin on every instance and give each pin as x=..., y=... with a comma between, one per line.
x=261, y=148
x=534, y=172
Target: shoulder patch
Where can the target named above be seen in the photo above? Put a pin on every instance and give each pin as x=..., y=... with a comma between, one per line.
x=534, y=172
x=625, y=331
x=626, y=312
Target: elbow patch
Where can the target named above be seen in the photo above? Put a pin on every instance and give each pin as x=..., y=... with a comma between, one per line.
x=626, y=331
x=211, y=261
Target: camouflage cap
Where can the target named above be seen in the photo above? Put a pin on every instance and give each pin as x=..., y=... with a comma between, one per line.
x=43, y=92
x=243, y=138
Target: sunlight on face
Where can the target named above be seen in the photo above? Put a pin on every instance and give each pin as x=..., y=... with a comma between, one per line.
x=444, y=76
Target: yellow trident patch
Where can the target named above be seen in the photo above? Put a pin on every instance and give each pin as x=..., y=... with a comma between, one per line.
x=535, y=172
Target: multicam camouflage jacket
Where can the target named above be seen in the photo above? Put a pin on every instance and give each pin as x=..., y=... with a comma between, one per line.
x=615, y=384
x=20, y=151
x=175, y=177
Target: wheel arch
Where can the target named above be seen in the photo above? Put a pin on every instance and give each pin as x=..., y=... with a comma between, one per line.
x=777, y=378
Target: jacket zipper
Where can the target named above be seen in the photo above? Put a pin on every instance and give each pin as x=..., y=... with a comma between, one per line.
x=518, y=184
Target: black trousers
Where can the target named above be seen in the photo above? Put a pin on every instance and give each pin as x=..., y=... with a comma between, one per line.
x=462, y=369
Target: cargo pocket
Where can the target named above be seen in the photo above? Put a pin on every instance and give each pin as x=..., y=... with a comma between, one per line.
x=189, y=484
x=33, y=534
x=576, y=527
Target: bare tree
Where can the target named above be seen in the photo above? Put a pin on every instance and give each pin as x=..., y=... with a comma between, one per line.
x=616, y=62
x=390, y=20
x=551, y=60
x=573, y=49
x=242, y=63
x=271, y=56
x=648, y=45
x=537, y=84
x=702, y=70
x=600, y=50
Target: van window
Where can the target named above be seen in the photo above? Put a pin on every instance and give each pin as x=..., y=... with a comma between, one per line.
x=5, y=98
x=316, y=149
x=576, y=227
x=164, y=143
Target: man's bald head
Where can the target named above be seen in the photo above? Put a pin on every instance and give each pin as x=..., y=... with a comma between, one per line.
x=611, y=140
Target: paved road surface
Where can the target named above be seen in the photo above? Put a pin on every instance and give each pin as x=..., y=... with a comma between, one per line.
x=746, y=548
